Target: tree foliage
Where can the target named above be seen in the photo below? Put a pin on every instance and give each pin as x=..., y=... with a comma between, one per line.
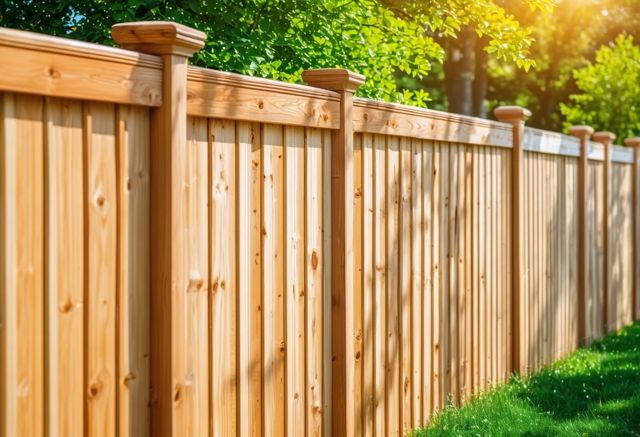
x=609, y=90
x=280, y=38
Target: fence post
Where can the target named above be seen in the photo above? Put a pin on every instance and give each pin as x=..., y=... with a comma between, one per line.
x=606, y=139
x=173, y=398
x=583, y=133
x=343, y=336
x=516, y=116
x=635, y=144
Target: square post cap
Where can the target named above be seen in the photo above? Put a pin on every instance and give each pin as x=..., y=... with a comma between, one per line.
x=605, y=138
x=632, y=142
x=511, y=113
x=158, y=37
x=582, y=132
x=333, y=79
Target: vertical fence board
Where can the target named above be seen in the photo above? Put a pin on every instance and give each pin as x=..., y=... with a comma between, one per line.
x=393, y=335
x=295, y=283
x=133, y=270
x=315, y=265
x=358, y=280
x=22, y=273
x=101, y=286
x=417, y=276
x=273, y=281
x=196, y=214
x=223, y=265
x=65, y=267
x=380, y=282
x=249, y=230
x=368, y=273
x=405, y=307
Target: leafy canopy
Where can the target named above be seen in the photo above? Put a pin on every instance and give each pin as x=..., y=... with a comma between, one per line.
x=609, y=96
x=279, y=39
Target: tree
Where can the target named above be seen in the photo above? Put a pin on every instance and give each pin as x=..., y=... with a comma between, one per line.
x=280, y=38
x=609, y=91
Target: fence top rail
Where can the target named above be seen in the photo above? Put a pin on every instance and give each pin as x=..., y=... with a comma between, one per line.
x=621, y=154
x=218, y=94
x=370, y=116
x=54, y=44
x=61, y=67
x=595, y=151
x=542, y=141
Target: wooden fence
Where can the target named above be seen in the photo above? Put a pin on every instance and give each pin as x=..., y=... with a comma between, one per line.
x=187, y=252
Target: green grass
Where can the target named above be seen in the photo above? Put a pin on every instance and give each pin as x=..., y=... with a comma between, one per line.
x=594, y=391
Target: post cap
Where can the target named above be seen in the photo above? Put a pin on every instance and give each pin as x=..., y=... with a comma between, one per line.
x=605, y=138
x=632, y=142
x=581, y=131
x=511, y=113
x=158, y=37
x=333, y=79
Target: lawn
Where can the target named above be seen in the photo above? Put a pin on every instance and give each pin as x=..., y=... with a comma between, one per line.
x=594, y=391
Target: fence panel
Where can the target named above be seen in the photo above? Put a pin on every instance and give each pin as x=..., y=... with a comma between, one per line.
x=620, y=274
x=435, y=292
x=76, y=306
x=244, y=333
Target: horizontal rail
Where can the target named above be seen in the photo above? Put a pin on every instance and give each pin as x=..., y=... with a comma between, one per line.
x=621, y=154
x=595, y=151
x=61, y=67
x=392, y=119
x=217, y=94
x=537, y=140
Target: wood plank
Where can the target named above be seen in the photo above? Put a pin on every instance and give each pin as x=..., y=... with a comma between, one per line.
x=61, y=67
x=368, y=272
x=65, y=266
x=212, y=93
x=370, y=116
x=428, y=282
x=467, y=309
x=133, y=270
x=315, y=265
x=417, y=280
x=476, y=356
x=380, y=282
x=294, y=160
x=393, y=356
x=453, y=256
x=327, y=240
x=273, y=281
x=358, y=280
x=406, y=304
x=22, y=271
x=482, y=261
x=223, y=271
x=101, y=207
x=196, y=299
x=249, y=253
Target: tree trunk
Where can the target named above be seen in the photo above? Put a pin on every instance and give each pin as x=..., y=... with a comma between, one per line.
x=480, y=79
x=458, y=69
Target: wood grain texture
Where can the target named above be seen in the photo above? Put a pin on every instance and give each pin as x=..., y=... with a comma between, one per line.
x=387, y=118
x=273, y=281
x=60, y=67
x=315, y=264
x=223, y=265
x=195, y=342
x=227, y=95
x=65, y=267
x=22, y=274
x=133, y=148
x=249, y=278
x=101, y=220
x=295, y=243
